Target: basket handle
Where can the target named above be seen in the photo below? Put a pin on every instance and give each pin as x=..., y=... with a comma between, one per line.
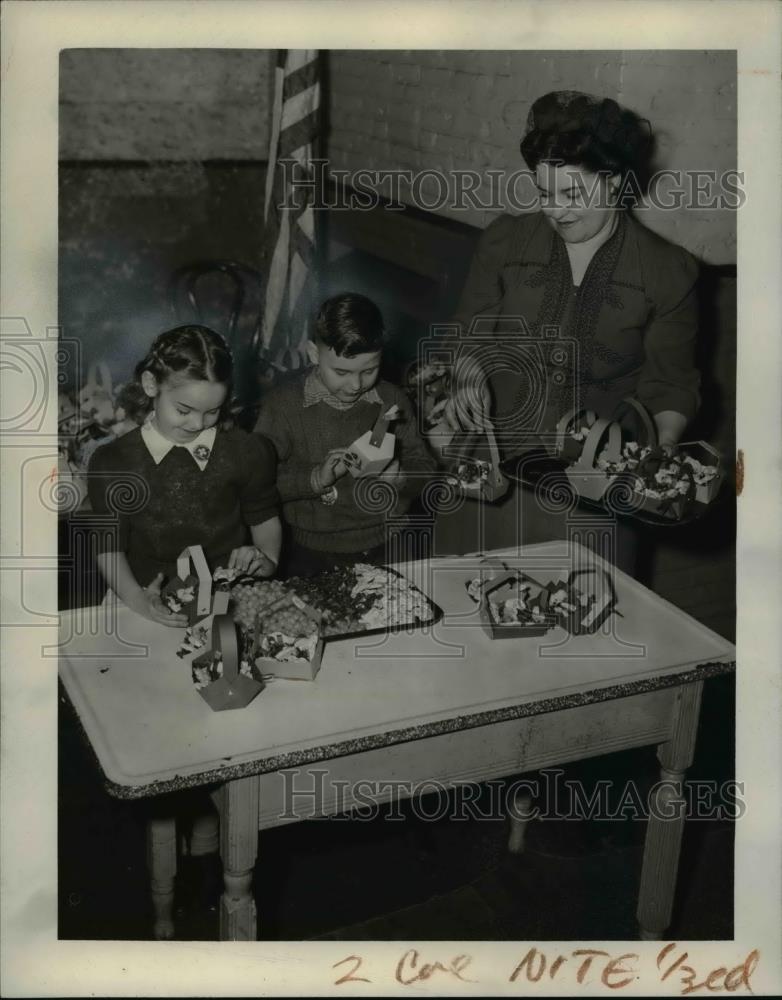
x=494, y=452
x=470, y=439
x=224, y=641
x=649, y=426
x=564, y=422
x=706, y=446
x=594, y=438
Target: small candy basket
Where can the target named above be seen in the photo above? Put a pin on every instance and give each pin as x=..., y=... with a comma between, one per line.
x=707, y=469
x=634, y=477
x=579, y=436
x=512, y=605
x=373, y=451
x=192, y=593
x=475, y=465
x=572, y=431
x=583, y=602
x=221, y=680
x=670, y=485
x=288, y=641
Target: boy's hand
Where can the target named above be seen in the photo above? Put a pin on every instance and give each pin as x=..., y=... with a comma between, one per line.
x=332, y=469
x=249, y=559
x=151, y=606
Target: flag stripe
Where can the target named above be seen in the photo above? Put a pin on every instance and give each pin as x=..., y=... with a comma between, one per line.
x=298, y=135
x=289, y=216
x=274, y=141
x=296, y=58
x=300, y=79
x=300, y=105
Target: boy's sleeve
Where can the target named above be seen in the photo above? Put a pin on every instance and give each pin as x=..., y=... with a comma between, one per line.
x=415, y=459
x=106, y=489
x=294, y=479
x=259, y=499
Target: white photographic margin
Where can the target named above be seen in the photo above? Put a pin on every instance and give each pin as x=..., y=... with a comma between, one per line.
x=34, y=962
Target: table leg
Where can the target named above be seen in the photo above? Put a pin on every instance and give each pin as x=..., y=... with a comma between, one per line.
x=519, y=818
x=161, y=859
x=238, y=802
x=667, y=807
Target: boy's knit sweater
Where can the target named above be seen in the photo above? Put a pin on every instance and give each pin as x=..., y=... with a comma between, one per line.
x=304, y=435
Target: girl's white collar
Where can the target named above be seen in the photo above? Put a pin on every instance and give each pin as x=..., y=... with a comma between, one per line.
x=158, y=446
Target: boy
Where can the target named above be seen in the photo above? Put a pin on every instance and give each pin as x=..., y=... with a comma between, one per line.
x=312, y=422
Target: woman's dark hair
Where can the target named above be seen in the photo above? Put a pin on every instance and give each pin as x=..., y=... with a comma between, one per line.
x=350, y=324
x=579, y=130
x=192, y=352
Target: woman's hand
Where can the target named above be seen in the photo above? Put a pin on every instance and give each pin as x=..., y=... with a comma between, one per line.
x=332, y=469
x=468, y=406
x=250, y=560
x=150, y=605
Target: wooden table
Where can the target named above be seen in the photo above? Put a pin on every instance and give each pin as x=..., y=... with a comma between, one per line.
x=447, y=705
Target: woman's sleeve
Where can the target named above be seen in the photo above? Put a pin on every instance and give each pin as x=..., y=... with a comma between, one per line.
x=483, y=289
x=669, y=379
x=415, y=460
x=259, y=499
x=294, y=478
x=107, y=489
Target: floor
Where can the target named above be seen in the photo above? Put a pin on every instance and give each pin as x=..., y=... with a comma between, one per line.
x=411, y=879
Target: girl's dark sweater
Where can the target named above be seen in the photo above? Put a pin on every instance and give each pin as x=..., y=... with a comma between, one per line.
x=152, y=512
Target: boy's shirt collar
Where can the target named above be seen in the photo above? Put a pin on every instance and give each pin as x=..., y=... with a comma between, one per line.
x=316, y=392
x=158, y=446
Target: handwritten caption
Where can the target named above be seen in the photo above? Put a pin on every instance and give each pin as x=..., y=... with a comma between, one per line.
x=581, y=967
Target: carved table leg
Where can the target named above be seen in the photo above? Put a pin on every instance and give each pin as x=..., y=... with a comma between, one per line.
x=519, y=818
x=667, y=807
x=239, y=848
x=161, y=859
x=204, y=836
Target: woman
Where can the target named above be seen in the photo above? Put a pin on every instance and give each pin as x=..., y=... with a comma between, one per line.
x=577, y=305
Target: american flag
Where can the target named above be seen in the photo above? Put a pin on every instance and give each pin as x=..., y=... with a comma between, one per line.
x=289, y=216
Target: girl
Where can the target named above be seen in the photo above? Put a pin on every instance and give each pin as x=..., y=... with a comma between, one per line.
x=183, y=478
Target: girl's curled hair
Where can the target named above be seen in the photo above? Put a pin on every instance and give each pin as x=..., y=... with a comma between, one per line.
x=189, y=352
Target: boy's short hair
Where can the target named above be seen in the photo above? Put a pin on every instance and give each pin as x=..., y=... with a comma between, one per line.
x=350, y=324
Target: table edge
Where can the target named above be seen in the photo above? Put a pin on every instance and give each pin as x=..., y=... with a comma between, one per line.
x=440, y=727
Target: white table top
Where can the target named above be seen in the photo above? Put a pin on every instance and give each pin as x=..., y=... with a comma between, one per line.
x=152, y=731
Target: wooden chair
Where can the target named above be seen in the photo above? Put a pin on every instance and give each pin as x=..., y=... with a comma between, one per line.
x=227, y=295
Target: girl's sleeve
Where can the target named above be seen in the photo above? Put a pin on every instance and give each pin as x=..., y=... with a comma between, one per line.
x=259, y=499
x=109, y=490
x=669, y=379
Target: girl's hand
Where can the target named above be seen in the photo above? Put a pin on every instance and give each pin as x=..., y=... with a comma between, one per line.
x=252, y=561
x=332, y=469
x=152, y=607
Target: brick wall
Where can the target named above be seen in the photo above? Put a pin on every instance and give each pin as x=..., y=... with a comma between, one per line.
x=447, y=110
x=165, y=104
